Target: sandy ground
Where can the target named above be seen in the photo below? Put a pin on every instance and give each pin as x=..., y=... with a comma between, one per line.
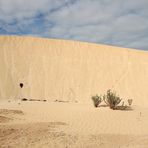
x=71, y=125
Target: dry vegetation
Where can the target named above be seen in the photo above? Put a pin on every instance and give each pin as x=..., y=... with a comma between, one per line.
x=112, y=100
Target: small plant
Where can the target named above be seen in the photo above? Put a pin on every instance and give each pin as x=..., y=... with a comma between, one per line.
x=130, y=101
x=111, y=99
x=96, y=100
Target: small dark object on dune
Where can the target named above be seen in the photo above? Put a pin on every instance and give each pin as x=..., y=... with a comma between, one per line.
x=21, y=85
x=37, y=100
x=24, y=99
x=34, y=100
x=62, y=101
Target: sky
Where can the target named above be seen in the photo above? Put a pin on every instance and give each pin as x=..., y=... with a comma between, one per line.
x=121, y=23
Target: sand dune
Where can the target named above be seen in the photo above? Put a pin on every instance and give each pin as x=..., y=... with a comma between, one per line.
x=66, y=74
x=69, y=70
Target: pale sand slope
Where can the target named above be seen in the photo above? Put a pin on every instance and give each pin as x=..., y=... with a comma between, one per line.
x=70, y=71
x=71, y=125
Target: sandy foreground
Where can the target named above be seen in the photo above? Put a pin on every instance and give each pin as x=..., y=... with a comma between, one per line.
x=71, y=125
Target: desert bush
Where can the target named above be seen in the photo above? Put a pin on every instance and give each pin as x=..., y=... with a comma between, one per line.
x=130, y=101
x=96, y=100
x=111, y=99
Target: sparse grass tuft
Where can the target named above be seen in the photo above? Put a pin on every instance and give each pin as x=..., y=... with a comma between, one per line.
x=111, y=99
x=130, y=101
x=96, y=100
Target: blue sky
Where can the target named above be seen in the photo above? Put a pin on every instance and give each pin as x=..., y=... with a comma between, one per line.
x=114, y=22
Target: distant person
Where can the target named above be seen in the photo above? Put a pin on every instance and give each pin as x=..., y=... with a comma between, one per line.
x=21, y=85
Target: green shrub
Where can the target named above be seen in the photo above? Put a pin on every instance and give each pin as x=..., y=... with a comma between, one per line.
x=96, y=100
x=130, y=101
x=111, y=99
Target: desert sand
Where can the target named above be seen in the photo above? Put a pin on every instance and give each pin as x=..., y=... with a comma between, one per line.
x=66, y=74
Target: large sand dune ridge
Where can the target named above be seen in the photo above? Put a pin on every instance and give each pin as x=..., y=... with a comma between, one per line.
x=63, y=73
x=70, y=70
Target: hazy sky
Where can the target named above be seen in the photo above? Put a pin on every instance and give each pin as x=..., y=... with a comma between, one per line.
x=114, y=22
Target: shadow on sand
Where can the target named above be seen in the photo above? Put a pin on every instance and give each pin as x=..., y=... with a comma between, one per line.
x=122, y=108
